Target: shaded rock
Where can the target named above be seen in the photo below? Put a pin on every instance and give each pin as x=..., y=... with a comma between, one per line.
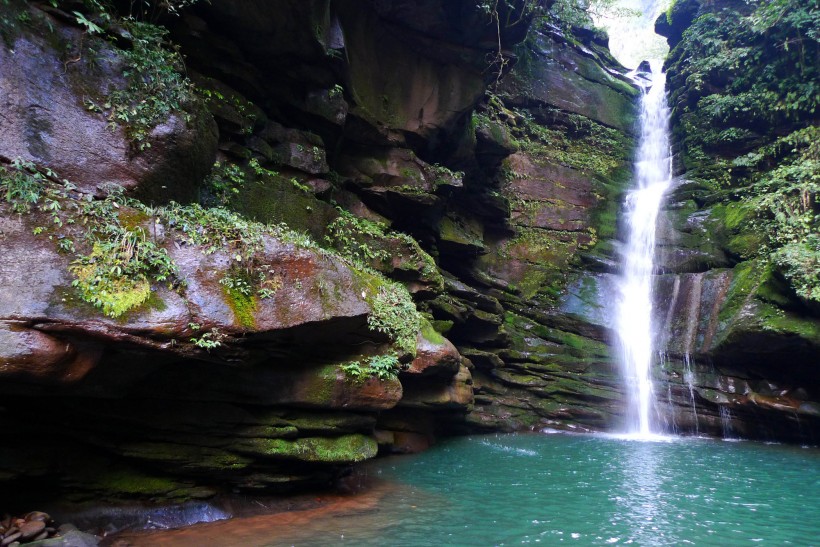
x=33, y=355
x=30, y=529
x=46, y=121
x=434, y=355
x=573, y=80
x=679, y=18
x=456, y=394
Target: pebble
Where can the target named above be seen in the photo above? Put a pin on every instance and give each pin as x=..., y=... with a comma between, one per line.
x=35, y=526
x=32, y=529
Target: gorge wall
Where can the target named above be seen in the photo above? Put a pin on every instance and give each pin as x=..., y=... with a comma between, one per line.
x=255, y=248
x=739, y=250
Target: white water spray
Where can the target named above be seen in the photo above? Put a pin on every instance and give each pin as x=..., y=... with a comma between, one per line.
x=653, y=176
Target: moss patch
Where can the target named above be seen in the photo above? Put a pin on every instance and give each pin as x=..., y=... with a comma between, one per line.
x=337, y=450
x=242, y=305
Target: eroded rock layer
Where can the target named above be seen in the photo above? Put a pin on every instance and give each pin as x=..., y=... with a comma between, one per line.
x=738, y=296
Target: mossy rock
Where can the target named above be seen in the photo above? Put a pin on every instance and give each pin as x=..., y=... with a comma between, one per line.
x=278, y=199
x=331, y=450
x=760, y=318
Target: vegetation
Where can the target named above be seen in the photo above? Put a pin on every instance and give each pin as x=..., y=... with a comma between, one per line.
x=120, y=261
x=368, y=244
x=156, y=84
x=117, y=260
x=746, y=99
x=116, y=275
x=383, y=367
x=394, y=313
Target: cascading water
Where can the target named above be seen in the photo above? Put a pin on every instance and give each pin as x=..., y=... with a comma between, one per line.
x=653, y=176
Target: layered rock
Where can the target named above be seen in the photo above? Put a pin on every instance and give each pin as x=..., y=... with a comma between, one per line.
x=173, y=352
x=535, y=239
x=739, y=236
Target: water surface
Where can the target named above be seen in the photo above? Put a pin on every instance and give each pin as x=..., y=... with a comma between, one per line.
x=587, y=490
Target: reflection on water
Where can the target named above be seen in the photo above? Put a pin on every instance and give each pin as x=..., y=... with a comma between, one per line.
x=640, y=503
x=550, y=489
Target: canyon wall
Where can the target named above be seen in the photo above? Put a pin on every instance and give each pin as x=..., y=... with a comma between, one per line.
x=739, y=248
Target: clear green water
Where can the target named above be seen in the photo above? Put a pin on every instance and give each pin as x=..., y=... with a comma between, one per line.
x=588, y=490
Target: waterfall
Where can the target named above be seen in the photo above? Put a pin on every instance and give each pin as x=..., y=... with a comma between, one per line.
x=689, y=378
x=653, y=176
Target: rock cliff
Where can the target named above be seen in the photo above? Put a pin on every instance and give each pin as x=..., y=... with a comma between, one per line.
x=207, y=270
x=739, y=243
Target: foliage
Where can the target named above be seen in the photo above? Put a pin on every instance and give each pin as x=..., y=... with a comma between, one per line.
x=121, y=263
x=215, y=99
x=383, y=367
x=758, y=64
x=21, y=185
x=207, y=340
x=787, y=209
x=445, y=175
x=117, y=274
x=217, y=229
x=152, y=10
x=223, y=183
x=156, y=84
x=746, y=91
x=348, y=234
x=571, y=140
x=366, y=243
x=393, y=313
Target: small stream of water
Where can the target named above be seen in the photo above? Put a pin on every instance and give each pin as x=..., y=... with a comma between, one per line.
x=653, y=176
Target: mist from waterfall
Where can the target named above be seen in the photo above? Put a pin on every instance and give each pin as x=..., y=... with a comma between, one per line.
x=636, y=333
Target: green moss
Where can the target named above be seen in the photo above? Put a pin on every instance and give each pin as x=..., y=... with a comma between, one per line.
x=461, y=231
x=129, y=482
x=113, y=294
x=371, y=244
x=336, y=450
x=394, y=314
x=429, y=333
x=581, y=144
x=442, y=326
x=242, y=304
x=745, y=246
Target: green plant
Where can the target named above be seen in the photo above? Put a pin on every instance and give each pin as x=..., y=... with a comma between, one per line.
x=208, y=340
x=156, y=84
x=348, y=234
x=444, y=175
x=223, y=183
x=748, y=95
x=393, y=313
x=22, y=185
x=117, y=274
x=383, y=367
x=215, y=99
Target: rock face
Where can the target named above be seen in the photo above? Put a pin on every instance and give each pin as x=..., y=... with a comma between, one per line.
x=739, y=292
x=175, y=351
x=51, y=76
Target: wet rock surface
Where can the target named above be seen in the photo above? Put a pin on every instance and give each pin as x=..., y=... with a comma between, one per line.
x=739, y=326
